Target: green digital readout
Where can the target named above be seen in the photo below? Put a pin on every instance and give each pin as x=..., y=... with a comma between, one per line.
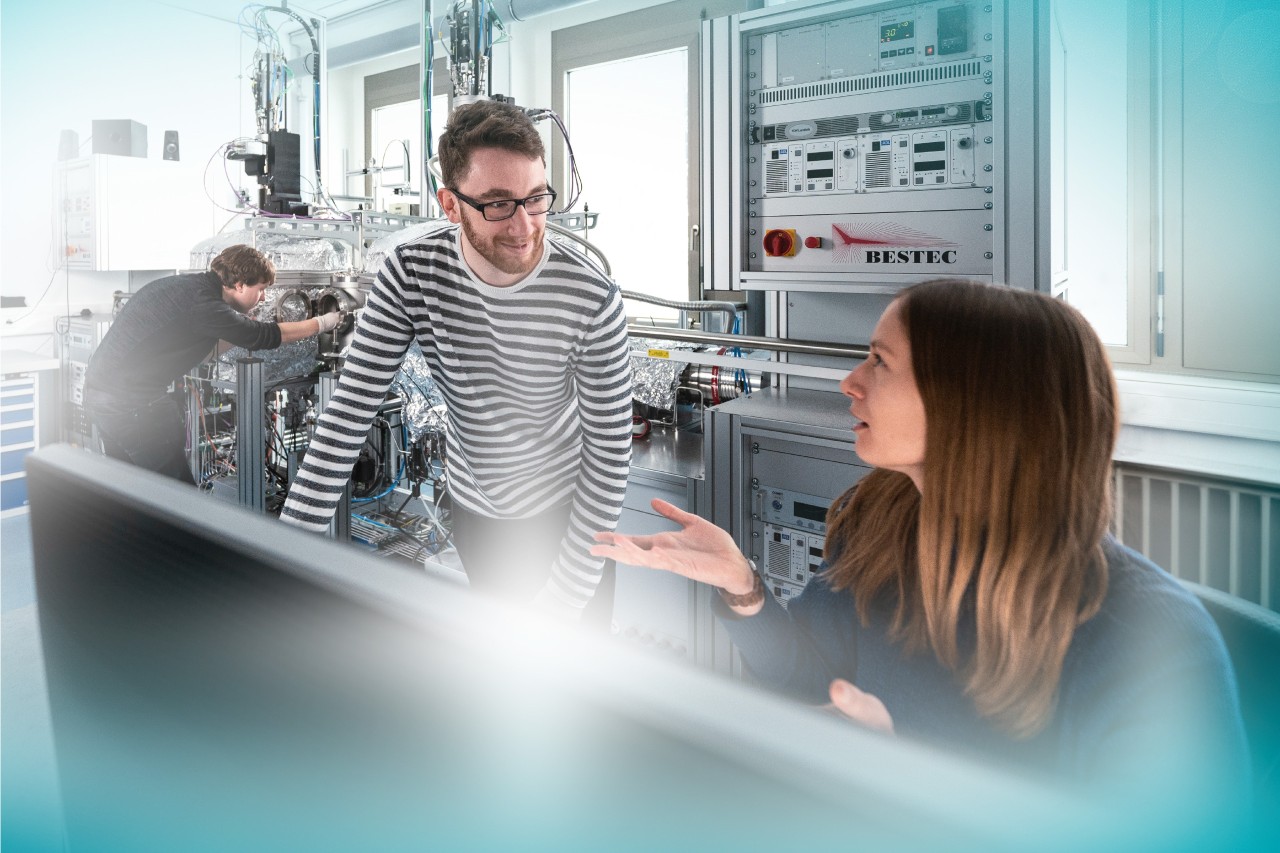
x=898, y=32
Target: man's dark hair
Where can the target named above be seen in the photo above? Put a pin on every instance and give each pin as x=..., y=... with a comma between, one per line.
x=485, y=124
x=243, y=264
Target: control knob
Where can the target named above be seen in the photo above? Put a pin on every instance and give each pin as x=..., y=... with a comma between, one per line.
x=780, y=242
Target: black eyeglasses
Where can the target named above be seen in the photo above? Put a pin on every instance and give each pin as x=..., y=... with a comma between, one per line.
x=496, y=211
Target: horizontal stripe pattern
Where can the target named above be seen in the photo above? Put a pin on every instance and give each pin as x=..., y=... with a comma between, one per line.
x=537, y=381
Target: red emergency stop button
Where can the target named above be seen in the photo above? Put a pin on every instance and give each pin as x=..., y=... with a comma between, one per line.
x=780, y=242
x=813, y=242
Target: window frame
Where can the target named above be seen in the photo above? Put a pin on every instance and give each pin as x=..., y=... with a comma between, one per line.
x=1207, y=414
x=1141, y=193
x=1159, y=166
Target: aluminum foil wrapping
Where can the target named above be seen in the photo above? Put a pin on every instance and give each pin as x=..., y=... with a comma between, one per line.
x=286, y=250
x=424, y=406
x=654, y=380
x=383, y=246
x=205, y=251
x=286, y=361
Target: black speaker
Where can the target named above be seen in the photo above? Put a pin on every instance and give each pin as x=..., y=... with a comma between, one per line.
x=68, y=145
x=119, y=136
x=170, y=150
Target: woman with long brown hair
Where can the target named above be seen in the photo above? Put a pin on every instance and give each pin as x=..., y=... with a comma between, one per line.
x=974, y=596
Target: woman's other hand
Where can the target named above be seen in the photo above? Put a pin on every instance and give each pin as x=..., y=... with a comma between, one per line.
x=861, y=707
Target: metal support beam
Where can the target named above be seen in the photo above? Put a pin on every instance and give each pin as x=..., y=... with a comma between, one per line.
x=251, y=439
x=195, y=416
x=749, y=341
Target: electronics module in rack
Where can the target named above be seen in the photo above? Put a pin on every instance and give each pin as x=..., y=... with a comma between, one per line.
x=794, y=534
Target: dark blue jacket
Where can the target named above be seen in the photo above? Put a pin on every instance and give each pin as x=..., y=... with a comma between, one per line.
x=1147, y=700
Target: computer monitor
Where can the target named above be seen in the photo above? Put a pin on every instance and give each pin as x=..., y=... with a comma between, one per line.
x=220, y=681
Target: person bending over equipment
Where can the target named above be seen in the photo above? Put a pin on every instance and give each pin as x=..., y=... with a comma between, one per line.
x=164, y=330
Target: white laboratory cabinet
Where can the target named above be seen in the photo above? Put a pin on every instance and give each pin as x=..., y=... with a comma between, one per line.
x=130, y=213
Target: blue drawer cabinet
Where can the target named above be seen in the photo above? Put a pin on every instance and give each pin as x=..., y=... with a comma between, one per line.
x=11, y=461
x=19, y=427
x=13, y=495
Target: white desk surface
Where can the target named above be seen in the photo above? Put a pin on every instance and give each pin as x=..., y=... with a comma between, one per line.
x=21, y=361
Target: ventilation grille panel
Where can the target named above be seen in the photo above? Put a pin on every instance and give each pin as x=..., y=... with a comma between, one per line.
x=775, y=176
x=1218, y=533
x=837, y=126
x=878, y=169
x=873, y=82
x=778, y=560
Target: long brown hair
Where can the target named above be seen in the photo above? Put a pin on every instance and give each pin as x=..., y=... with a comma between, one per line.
x=1021, y=419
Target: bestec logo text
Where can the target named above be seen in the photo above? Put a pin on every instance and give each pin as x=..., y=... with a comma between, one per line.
x=911, y=256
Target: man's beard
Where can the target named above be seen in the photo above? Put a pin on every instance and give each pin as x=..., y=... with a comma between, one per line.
x=487, y=248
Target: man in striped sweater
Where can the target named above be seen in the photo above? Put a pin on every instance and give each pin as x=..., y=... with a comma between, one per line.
x=527, y=340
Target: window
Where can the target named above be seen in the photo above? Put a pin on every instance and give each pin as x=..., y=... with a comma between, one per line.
x=1216, y=122
x=1170, y=201
x=1095, y=39
x=395, y=130
x=639, y=179
x=628, y=89
x=393, y=134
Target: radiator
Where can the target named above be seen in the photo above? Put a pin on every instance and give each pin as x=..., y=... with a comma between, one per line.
x=1221, y=533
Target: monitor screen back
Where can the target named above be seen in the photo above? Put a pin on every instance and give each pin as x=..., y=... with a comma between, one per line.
x=219, y=681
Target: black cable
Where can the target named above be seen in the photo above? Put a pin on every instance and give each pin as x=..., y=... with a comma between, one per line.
x=43, y=294
x=414, y=492
x=574, y=190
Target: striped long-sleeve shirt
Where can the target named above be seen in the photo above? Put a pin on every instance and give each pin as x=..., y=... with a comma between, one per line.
x=537, y=381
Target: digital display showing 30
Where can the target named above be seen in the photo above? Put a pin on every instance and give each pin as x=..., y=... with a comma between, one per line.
x=898, y=31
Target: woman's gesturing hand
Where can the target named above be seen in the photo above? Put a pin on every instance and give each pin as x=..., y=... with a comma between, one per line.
x=699, y=551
